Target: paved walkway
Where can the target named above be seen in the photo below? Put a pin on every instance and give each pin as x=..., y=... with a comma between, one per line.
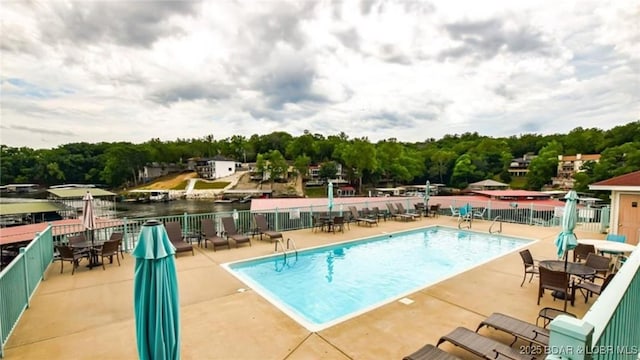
x=89, y=315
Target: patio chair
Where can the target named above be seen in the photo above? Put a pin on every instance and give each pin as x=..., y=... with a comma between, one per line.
x=430, y=352
x=174, y=232
x=454, y=212
x=530, y=266
x=359, y=219
x=209, y=233
x=379, y=213
x=617, y=238
x=588, y=288
x=481, y=346
x=118, y=236
x=581, y=251
x=556, y=281
x=516, y=327
x=434, y=210
x=66, y=253
x=318, y=223
x=338, y=223
x=479, y=214
x=263, y=228
x=230, y=231
x=600, y=263
x=109, y=249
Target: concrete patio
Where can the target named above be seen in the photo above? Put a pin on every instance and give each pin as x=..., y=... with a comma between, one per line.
x=90, y=314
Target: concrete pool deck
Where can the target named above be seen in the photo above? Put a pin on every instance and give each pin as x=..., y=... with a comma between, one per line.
x=90, y=314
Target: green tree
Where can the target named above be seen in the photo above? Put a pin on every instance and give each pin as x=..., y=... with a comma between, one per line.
x=301, y=165
x=123, y=160
x=544, y=166
x=464, y=172
x=328, y=170
x=359, y=157
x=442, y=160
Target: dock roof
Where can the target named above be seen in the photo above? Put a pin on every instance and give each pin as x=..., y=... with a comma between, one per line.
x=33, y=207
x=78, y=193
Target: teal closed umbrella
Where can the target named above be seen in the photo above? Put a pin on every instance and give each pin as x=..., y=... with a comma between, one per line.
x=330, y=197
x=156, y=305
x=427, y=195
x=567, y=239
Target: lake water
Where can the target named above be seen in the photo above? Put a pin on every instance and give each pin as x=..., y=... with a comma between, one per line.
x=176, y=207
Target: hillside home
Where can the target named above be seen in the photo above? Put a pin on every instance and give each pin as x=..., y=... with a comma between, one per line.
x=569, y=165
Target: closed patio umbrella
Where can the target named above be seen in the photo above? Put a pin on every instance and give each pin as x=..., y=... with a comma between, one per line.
x=330, y=197
x=88, y=215
x=427, y=195
x=567, y=239
x=156, y=305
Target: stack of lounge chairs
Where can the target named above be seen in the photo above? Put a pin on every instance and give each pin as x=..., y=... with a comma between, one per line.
x=486, y=347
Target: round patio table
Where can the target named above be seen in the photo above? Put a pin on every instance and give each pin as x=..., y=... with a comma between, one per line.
x=576, y=269
x=607, y=245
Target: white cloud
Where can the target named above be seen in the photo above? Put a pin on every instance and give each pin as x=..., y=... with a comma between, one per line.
x=73, y=71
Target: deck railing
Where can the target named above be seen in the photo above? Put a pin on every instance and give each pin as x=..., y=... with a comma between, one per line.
x=609, y=330
x=19, y=280
x=589, y=219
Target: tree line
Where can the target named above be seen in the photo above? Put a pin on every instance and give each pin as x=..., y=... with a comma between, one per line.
x=454, y=160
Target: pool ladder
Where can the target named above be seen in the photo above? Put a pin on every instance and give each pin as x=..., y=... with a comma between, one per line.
x=290, y=249
x=497, y=220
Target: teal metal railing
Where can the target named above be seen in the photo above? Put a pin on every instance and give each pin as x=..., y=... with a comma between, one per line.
x=19, y=280
x=609, y=330
x=26, y=271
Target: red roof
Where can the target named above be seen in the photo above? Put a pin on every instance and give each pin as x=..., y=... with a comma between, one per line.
x=630, y=179
x=22, y=233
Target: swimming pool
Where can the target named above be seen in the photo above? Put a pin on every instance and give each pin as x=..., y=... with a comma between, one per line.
x=325, y=285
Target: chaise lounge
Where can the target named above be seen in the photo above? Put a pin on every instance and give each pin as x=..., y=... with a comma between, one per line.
x=359, y=219
x=430, y=352
x=209, y=234
x=263, y=228
x=481, y=346
x=174, y=231
x=230, y=231
x=516, y=327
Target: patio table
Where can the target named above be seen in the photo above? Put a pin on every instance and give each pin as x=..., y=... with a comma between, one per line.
x=576, y=269
x=93, y=253
x=607, y=245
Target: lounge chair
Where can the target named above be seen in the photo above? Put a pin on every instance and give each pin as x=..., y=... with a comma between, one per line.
x=174, y=231
x=404, y=212
x=480, y=345
x=263, y=228
x=359, y=219
x=529, y=265
x=430, y=352
x=209, y=233
x=393, y=212
x=230, y=231
x=516, y=327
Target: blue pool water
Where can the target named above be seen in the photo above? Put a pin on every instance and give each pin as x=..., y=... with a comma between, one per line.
x=329, y=284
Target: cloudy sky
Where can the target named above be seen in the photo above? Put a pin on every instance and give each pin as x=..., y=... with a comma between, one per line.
x=96, y=71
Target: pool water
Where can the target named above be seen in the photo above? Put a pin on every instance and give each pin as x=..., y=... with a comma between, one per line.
x=326, y=285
